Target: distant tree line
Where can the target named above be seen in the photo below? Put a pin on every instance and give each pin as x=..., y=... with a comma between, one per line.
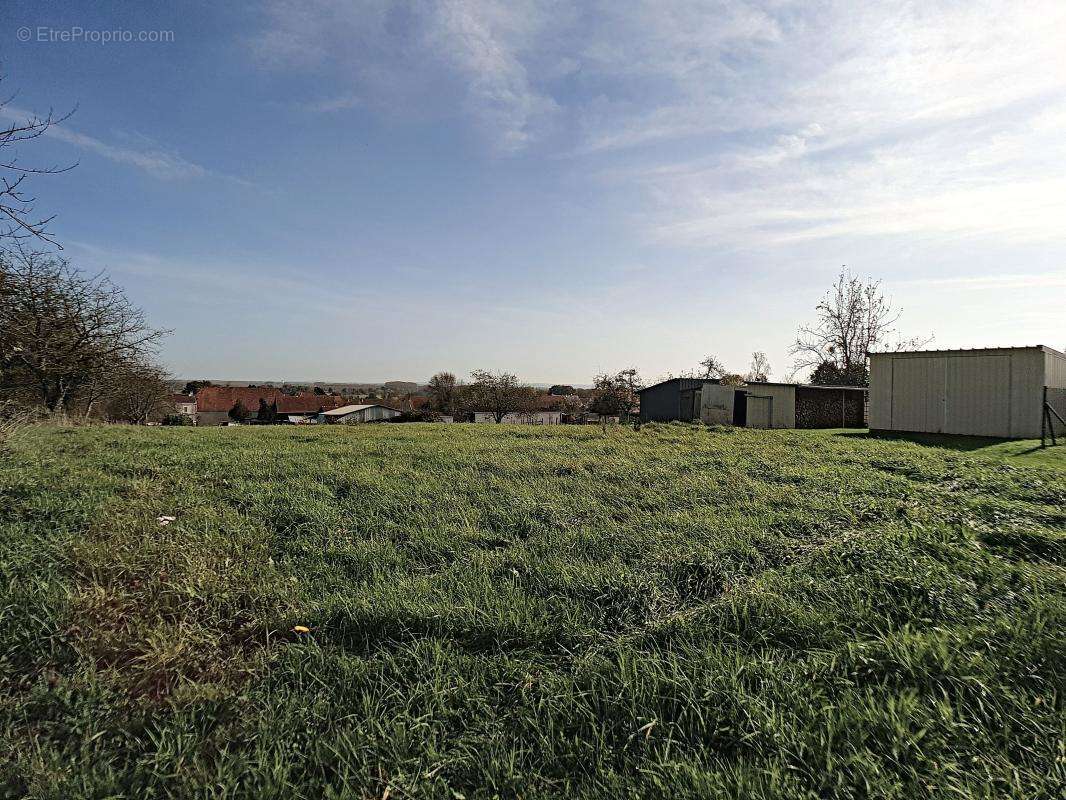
x=502, y=393
x=498, y=392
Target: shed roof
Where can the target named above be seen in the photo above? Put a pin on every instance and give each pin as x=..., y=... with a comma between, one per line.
x=1043, y=347
x=693, y=383
x=686, y=383
x=819, y=386
x=353, y=409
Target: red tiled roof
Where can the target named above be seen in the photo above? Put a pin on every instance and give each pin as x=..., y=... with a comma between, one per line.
x=181, y=398
x=223, y=398
x=306, y=403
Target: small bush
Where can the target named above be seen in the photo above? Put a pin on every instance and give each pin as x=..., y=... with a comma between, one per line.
x=178, y=420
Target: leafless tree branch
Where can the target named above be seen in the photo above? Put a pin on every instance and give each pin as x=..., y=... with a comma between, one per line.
x=17, y=218
x=854, y=319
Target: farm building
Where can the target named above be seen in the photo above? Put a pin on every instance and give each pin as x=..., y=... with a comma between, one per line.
x=359, y=413
x=985, y=392
x=754, y=405
x=548, y=411
x=213, y=403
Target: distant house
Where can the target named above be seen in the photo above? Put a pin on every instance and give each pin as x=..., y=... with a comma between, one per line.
x=184, y=405
x=359, y=413
x=548, y=411
x=754, y=405
x=213, y=403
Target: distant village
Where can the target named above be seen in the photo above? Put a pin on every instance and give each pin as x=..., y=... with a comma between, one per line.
x=493, y=398
x=715, y=397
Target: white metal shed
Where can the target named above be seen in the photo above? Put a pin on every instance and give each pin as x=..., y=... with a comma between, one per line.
x=982, y=392
x=359, y=413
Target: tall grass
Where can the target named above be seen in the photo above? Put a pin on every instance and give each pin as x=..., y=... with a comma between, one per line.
x=497, y=611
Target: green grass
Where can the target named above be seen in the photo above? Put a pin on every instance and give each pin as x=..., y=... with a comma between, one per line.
x=528, y=612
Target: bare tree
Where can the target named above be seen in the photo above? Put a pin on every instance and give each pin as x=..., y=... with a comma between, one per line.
x=759, y=371
x=612, y=396
x=854, y=318
x=95, y=390
x=139, y=392
x=571, y=405
x=17, y=217
x=62, y=331
x=500, y=393
x=632, y=382
x=444, y=392
x=710, y=368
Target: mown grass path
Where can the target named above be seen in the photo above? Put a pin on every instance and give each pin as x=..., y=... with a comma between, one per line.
x=528, y=612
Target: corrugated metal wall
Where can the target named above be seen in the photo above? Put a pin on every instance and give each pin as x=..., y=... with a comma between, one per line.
x=1055, y=370
x=662, y=402
x=977, y=397
x=778, y=400
x=970, y=392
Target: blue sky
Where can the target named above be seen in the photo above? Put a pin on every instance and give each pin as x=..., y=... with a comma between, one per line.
x=380, y=190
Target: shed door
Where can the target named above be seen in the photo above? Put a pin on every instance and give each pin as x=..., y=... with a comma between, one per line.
x=759, y=411
x=740, y=409
x=689, y=410
x=978, y=396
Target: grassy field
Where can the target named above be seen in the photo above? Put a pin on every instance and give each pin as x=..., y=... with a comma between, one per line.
x=529, y=612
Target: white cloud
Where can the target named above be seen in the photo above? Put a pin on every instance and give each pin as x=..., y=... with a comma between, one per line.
x=473, y=38
x=152, y=159
x=938, y=119
x=435, y=57
x=734, y=122
x=991, y=282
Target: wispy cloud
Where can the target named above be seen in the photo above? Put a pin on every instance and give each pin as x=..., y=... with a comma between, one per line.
x=941, y=119
x=156, y=161
x=991, y=282
x=473, y=37
x=735, y=122
x=227, y=281
x=402, y=58
x=329, y=105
